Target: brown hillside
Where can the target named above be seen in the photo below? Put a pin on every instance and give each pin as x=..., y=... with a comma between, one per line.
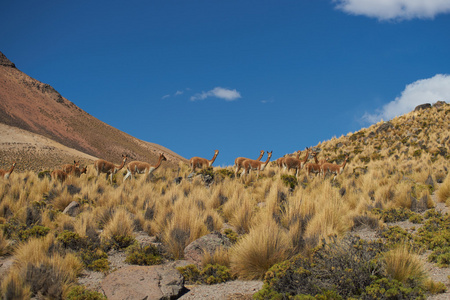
x=38, y=108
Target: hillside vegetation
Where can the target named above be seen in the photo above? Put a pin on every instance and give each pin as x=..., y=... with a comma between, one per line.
x=277, y=221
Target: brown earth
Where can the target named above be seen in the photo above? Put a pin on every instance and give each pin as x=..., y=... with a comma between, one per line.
x=38, y=108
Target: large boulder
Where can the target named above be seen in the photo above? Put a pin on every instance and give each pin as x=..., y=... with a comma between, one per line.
x=195, y=251
x=143, y=282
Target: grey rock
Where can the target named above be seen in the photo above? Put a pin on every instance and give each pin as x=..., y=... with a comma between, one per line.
x=384, y=127
x=143, y=282
x=195, y=251
x=422, y=106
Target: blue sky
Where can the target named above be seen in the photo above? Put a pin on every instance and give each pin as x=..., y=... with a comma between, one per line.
x=237, y=76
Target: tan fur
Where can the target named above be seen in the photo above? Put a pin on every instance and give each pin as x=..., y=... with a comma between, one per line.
x=103, y=166
x=333, y=168
x=70, y=169
x=313, y=167
x=255, y=165
x=238, y=162
x=5, y=174
x=280, y=162
x=200, y=163
x=140, y=167
x=295, y=162
x=59, y=175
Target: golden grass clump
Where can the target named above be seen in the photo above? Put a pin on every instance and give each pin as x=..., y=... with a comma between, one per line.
x=220, y=256
x=402, y=264
x=40, y=268
x=264, y=246
x=120, y=226
x=13, y=286
x=4, y=244
x=183, y=228
x=443, y=193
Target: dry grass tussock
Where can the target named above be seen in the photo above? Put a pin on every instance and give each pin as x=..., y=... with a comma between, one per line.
x=392, y=164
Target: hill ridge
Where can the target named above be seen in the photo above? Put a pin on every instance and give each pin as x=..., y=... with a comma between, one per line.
x=37, y=107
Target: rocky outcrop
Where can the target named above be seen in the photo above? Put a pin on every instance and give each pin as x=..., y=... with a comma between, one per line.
x=142, y=282
x=4, y=61
x=384, y=127
x=195, y=251
x=422, y=106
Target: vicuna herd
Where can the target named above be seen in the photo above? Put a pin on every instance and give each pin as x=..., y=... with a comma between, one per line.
x=285, y=163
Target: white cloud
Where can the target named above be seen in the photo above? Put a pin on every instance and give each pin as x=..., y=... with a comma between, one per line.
x=165, y=96
x=218, y=92
x=395, y=9
x=177, y=93
x=430, y=90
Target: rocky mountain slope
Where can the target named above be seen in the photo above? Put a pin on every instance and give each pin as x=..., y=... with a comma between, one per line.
x=38, y=108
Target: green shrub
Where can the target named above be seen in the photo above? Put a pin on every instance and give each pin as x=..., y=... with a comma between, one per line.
x=80, y=292
x=395, y=235
x=35, y=231
x=289, y=180
x=393, y=214
x=143, y=255
x=346, y=267
x=119, y=242
x=190, y=273
x=416, y=219
x=231, y=235
x=385, y=288
x=210, y=274
x=95, y=260
x=435, y=287
x=417, y=153
x=71, y=240
x=226, y=173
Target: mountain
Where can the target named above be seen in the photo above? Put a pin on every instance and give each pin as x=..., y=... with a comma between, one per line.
x=40, y=111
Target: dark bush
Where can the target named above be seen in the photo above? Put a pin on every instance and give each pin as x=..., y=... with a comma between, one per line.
x=289, y=180
x=345, y=267
x=71, y=240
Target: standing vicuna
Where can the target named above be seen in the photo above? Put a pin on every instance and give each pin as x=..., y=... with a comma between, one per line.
x=199, y=162
x=313, y=167
x=140, y=167
x=255, y=165
x=59, y=175
x=333, y=168
x=5, y=174
x=71, y=169
x=280, y=162
x=295, y=162
x=238, y=162
x=291, y=159
x=103, y=166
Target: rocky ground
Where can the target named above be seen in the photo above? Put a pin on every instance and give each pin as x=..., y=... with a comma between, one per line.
x=237, y=289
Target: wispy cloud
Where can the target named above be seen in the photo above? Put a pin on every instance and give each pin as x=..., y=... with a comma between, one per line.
x=218, y=92
x=430, y=90
x=177, y=93
x=395, y=9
